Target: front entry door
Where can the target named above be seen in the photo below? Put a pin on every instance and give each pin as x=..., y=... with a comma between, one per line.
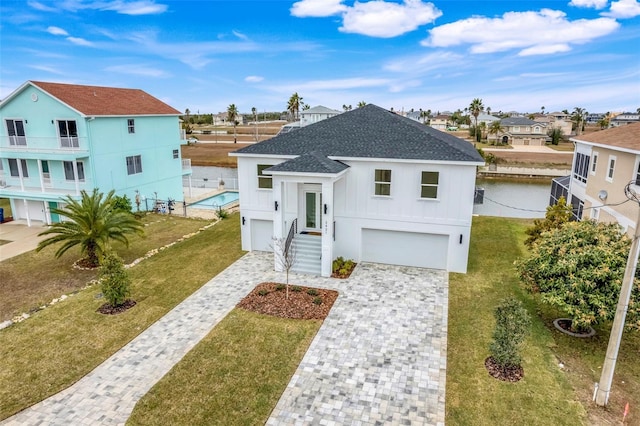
x=312, y=210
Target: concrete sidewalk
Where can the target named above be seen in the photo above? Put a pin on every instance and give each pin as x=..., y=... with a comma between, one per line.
x=22, y=238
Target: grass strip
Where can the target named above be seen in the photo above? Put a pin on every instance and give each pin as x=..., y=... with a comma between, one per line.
x=58, y=346
x=544, y=396
x=234, y=376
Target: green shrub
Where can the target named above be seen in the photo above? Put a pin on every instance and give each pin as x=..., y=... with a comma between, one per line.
x=296, y=288
x=317, y=300
x=115, y=281
x=512, y=323
x=312, y=292
x=556, y=216
x=281, y=287
x=221, y=213
x=263, y=292
x=122, y=204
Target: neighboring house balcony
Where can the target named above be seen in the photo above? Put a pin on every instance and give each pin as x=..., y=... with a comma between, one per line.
x=44, y=147
x=186, y=167
x=41, y=188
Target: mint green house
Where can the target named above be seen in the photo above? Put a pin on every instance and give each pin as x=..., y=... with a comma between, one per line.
x=59, y=139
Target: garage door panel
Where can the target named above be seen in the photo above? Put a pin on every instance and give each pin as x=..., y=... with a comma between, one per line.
x=261, y=235
x=405, y=248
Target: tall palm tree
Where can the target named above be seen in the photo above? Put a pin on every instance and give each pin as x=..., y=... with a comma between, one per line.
x=495, y=128
x=91, y=223
x=578, y=117
x=293, y=106
x=361, y=104
x=475, y=108
x=232, y=115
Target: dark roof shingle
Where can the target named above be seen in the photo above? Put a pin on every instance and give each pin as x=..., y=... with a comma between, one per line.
x=313, y=162
x=369, y=132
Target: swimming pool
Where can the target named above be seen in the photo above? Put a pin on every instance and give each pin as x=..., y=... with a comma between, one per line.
x=218, y=200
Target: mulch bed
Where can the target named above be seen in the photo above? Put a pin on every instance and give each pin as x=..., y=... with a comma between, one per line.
x=512, y=374
x=267, y=299
x=109, y=309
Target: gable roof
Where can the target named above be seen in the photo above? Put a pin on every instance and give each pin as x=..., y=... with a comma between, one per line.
x=368, y=132
x=111, y=101
x=517, y=121
x=312, y=162
x=626, y=137
x=320, y=110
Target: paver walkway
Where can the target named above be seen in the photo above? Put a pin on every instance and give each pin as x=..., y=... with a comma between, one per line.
x=379, y=357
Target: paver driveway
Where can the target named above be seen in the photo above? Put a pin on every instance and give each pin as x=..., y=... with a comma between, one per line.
x=378, y=358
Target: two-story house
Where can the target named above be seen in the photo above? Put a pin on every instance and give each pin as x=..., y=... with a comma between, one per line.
x=58, y=139
x=604, y=163
x=315, y=114
x=367, y=185
x=624, y=119
x=520, y=131
x=440, y=122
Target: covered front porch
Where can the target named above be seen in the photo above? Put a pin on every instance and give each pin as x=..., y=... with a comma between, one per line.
x=303, y=221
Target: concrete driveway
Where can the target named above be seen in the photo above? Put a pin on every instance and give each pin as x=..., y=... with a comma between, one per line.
x=21, y=237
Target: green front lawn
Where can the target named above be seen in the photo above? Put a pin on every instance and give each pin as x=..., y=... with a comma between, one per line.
x=61, y=344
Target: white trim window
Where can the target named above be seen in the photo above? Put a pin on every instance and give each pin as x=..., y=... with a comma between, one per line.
x=429, y=185
x=264, y=181
x=134, y=164
x=611, y=168
x=581, y=167
x=13, y=168
x=15, y=131
x=595, y=213
x=68, y=133
x=68, y=170
x=131, y=125
x=516, y=129
x=382, y=182
x=594, y=162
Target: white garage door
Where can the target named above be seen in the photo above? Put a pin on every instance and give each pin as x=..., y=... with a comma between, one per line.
x=261, y=235
x=36, y=210
x=405, y=248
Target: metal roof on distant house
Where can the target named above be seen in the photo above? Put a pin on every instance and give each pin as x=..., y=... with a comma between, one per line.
x=320, y=110
x=101, y=101
x=626, y=137
x=368, y=132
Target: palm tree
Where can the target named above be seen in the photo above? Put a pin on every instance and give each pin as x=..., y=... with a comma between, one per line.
x=495, y=128
x=347, y=107
x=92, y=223
x=361, y=104
x=254, y=111
x=293, y=106
x=578, y=117
x=232, y=115
x=475, y=108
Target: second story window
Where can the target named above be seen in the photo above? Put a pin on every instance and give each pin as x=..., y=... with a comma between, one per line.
x=429, y=185
x=264, y=181
x=68, y=132
x=15, y=131
x=134, y=164
x=68, y=170
x=176, y=154
x=612, y=168
x=581, y=167
x=131, y=125
x=382, y=182
x=594, y=163
x=13, y=168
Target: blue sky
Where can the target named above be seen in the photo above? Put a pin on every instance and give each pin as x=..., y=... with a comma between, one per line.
x=439, y=55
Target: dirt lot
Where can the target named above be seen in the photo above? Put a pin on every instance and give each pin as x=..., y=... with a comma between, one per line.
x=212, y=154
x=534, y=158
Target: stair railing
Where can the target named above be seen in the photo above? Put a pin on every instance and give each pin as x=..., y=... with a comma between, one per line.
x=293, y=230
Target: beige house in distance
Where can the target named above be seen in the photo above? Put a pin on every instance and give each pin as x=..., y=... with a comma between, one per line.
x=520, y=131
x=604, y=163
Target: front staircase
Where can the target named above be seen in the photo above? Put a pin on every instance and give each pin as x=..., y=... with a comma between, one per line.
x=307, y=250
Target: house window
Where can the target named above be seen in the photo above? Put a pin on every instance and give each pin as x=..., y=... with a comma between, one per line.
x=176, y=154
x=594, y=163
x=15, y=130
x=516, y=128
x=429, y=185
x=134, y=164
x=68, y=133
x=382, y=182
x=581, y=167
x=264, y=181
x=595, y=213
x=68, y=170
x=537, y=129
x=612, y=167
x=13, y=168
x=131, y=125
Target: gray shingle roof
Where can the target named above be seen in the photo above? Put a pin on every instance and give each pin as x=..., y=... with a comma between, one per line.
x=313, y=162
x=369, y=132
x=517, y=121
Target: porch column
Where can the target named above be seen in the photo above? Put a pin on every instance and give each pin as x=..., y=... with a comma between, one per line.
x=278, y=224
x=41, y=174
x=327, y=228
x=75, y=176
x=26, y=211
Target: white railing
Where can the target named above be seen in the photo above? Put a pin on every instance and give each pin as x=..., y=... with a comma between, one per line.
x=43, y=144
x=186, y=164
x=229, y=183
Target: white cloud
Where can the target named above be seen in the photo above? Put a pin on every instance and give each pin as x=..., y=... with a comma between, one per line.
x=141, y=70
x=329, y=85
x=48, y=69
x=239, y=35
x=143, y=7
x=253, y=79
x=57, y=31
x=623, y=9
x=41, y=7
x=543, y=32
x=79, y=41
x=595, y=4
x=418, y=64
x=385, y=19
x=317, y=8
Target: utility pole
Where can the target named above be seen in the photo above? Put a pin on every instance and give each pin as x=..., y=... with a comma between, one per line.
x=606, y=378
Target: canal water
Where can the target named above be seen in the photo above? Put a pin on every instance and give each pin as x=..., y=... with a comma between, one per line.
x=522, y=198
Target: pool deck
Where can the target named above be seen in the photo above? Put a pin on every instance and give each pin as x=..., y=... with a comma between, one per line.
x=198, y=194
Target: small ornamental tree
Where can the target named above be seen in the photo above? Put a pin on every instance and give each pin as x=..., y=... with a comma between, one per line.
x=579, y=269
x=115, y=280
x=512, y=325
x=556, y=216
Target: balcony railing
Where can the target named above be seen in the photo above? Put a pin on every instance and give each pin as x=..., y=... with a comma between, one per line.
x=52, y=144
x=186, y=164
x=33, y=185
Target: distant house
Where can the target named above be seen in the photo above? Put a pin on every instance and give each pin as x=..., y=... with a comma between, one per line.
x=553, y=122
x=440, y=122
x=367, y=185
x=315, y=114
x=520, y=131
x=604, y=162
x=58, y=139
x=487, y=119
x=624, y=119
